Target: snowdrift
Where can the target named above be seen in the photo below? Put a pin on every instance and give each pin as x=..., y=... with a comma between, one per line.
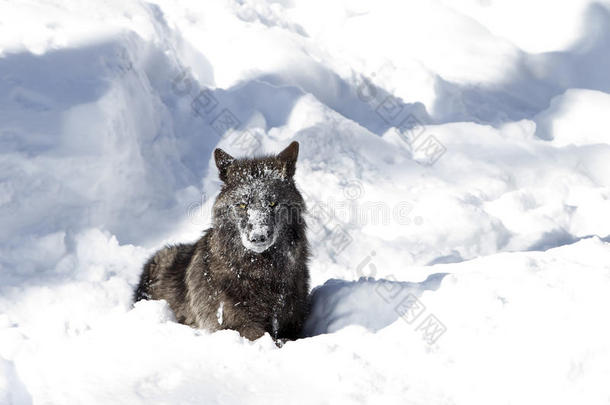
x=454, y=159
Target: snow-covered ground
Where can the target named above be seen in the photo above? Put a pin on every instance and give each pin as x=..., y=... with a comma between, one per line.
x=455, y=157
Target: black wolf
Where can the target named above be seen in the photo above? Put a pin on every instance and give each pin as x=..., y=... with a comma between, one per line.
x=249, y=271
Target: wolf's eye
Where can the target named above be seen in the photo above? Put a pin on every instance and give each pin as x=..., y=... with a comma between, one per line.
x=272, y=203
x=243, y=206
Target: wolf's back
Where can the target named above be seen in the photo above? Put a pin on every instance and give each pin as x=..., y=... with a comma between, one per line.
x=168, y=264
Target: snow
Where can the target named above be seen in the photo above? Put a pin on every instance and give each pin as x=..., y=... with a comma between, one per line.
x=220, y=312
x=454, y=157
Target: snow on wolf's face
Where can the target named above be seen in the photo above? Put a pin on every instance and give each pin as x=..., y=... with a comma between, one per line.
x=255, y=214
x=258, y=198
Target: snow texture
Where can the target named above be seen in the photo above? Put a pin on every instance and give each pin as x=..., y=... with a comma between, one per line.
x=454, y=157
x=220, y=312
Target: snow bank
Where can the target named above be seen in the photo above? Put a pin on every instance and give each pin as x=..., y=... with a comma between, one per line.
x=454, y=159
x=577, y=117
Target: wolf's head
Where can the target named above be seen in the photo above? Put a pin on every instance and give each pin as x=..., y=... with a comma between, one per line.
x=259, y=202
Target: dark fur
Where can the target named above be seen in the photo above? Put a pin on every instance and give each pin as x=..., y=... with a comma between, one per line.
x=254, y=287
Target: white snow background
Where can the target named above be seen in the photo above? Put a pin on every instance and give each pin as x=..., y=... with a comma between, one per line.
x=455, y=156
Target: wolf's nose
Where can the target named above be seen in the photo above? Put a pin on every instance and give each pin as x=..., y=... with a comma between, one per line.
x=258, y=238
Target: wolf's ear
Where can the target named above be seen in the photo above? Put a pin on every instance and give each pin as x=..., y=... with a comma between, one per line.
x=289, y=158
x=223, y=161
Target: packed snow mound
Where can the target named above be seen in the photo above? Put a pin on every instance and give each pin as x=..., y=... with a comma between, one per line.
x=340, y=303
x=389, y=340
x=454, y=158
x=577, y=117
